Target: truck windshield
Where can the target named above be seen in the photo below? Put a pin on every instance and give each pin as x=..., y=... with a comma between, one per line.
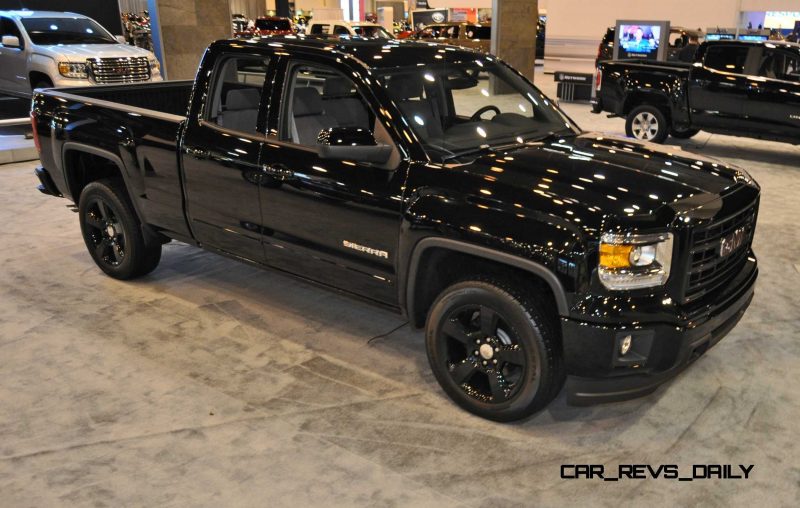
x=465, y=106
x=51, y=31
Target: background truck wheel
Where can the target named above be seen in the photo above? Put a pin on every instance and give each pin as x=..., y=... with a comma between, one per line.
x=493, y=349
x=113, y=233
x=647, y=123
x=683, y=133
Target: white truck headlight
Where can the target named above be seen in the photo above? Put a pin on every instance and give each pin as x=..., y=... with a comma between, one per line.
x=155, y=66
x=634, y=261
x=72, y=70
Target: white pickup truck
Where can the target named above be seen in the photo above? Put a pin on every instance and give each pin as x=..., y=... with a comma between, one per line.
x=42, y=49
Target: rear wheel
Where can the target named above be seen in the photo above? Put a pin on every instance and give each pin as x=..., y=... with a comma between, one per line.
x=112, y=232
x=647, y=123
x=493, y=349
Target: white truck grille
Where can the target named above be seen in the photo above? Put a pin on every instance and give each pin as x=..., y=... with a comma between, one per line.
x=118, y=70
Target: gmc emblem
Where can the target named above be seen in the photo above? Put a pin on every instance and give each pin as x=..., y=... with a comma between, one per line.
x=732, y=242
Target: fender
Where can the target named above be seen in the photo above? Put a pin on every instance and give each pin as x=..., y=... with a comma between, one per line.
x=486, y=253
x=104, y=154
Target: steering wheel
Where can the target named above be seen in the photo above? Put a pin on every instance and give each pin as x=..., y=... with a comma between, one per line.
x=477, y=115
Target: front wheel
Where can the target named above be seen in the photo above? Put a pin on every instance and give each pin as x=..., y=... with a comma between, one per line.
x=493, y=350
x=112, y=232
x=647, y=123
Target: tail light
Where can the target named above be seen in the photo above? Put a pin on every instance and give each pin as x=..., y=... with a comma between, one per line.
x=598, y=80
x=35, y=132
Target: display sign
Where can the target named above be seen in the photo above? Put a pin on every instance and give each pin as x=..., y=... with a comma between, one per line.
x=423, y=18
x=751, y=37
x=720, y=37
x=641, y=40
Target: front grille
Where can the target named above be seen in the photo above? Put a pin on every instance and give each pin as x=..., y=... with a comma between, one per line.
x=708, y=270
x=119, y=70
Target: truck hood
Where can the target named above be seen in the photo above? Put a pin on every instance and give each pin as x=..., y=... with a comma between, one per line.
x=80, y=52
x=584, y=179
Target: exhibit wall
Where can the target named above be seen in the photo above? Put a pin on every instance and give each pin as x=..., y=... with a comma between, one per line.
x=572, y=40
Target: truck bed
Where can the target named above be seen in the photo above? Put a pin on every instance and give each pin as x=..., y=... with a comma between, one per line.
x=170, y=97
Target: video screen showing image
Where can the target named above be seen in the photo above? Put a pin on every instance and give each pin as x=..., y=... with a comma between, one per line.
x=639, y=41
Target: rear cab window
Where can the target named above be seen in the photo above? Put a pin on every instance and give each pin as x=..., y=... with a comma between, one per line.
x=235, y=98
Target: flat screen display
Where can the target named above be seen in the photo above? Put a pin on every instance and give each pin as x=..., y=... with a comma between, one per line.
x=757, y=38
x=641, y=40
x=720, y=37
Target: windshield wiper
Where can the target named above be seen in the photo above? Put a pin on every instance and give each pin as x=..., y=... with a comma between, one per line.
x=469, y=151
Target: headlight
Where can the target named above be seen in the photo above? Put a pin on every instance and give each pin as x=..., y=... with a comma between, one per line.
x=154, y=66
x=72, y=70
x=634, y=261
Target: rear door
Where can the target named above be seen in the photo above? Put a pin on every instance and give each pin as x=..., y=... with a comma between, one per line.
x=221, y=148
x=773, y=105
x=719, y=89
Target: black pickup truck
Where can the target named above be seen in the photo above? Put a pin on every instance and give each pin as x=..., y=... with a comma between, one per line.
x=429, y=179
x=738, y=88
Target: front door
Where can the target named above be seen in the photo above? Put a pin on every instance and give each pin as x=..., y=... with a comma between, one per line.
x=773, y=105
x=13, y=61
x=334, y=221
x=221, y=149
x=718, y=89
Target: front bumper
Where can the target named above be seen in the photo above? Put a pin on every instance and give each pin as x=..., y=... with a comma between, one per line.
x=599, y=374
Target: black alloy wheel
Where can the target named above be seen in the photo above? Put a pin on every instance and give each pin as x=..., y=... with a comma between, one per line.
x=104, y=232
x=112, y=232
x=493, y=350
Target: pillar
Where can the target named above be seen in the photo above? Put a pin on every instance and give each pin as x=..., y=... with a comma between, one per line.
x=182, y=29
x=514, y=33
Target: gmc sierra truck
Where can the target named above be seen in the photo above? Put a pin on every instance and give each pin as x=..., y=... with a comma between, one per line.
x=749, y=89
x=429, y=179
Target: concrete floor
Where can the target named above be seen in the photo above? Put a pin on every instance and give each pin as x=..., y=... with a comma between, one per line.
x=211, y=383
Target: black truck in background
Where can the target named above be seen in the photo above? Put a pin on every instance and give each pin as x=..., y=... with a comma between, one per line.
x=532, y=253
x=749, y=89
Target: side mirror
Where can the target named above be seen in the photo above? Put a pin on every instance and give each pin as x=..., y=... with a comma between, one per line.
x=352, y=143
x=121, y=39
x=11, y=41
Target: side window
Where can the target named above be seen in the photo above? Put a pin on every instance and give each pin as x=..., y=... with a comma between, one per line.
x=8, y=27
x=319, y=29
x=726, y=58
x=319, y=98
x=780, y=65
x=340, y=30
x=235, y=95
x=427, y=33
x=451, y=33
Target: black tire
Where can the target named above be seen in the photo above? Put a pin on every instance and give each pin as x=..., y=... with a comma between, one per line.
x=42, y=83
x=647, y=123
x=112, y=232
x=683, y=134
x=493, y=349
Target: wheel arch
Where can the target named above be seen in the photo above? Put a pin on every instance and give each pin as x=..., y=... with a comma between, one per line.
x=417, y=300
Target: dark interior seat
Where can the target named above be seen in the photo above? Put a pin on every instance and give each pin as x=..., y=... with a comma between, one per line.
x=240, y=112
x=408, y=90
x=341, y=103
x=309, y=116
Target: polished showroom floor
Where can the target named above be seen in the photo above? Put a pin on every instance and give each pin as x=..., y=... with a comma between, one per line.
x=211, y=383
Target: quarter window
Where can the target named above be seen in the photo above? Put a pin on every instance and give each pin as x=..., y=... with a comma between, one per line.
x=726, y=58
x=235, y=98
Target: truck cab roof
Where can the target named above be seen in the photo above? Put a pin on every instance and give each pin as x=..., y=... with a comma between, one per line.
x=372, y=52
